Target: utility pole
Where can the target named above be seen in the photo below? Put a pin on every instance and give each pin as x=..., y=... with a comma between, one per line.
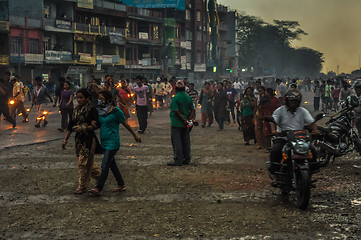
x=19, y=52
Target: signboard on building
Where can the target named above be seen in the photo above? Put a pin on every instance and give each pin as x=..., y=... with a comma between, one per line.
x=84, y=57
x=62, y=24
x=116, y=38
x=86, y=4
x=34, y=58
x=200, y=67
x=187, y=45
x=58, y=56
x=179, y=4
x=143, y=35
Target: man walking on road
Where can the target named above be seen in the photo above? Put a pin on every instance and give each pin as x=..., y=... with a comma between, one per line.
x=141, y=107
x=4, y=107
x=19, y=98
x=181, y=118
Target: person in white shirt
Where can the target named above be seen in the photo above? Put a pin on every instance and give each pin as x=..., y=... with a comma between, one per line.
x=281, y=90
x=288, y=117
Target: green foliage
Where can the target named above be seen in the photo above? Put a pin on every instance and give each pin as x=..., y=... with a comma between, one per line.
x=267, y=48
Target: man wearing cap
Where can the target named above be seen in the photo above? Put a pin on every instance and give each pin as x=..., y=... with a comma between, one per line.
x=159, y=91
x=181, y=118
x=19, y=98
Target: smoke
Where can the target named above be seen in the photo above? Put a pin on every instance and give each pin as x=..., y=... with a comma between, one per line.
x=333, y=26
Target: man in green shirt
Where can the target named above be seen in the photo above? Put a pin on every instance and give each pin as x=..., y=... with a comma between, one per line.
x=181, y=118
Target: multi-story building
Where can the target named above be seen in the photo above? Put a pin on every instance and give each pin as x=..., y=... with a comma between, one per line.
x=4, y=36
x=26, y=38
x=59, y=30
x=80, y=38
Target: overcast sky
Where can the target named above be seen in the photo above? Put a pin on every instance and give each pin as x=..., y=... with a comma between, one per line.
x=333, y=26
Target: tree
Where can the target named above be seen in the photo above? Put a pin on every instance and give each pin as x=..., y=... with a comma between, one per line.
x=266, y=48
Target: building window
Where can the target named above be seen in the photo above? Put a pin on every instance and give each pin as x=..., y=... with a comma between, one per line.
x=46, y=43
x=189, y=35
x=198, y=16
x=199, y=36
x=198, y=57
x=16, y=45
x=34, y=46
x=156, y=32
x=188, y=15
x=46, y=12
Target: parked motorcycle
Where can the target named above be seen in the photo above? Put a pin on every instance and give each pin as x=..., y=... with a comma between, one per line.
x=338, y=137
x=296, y=166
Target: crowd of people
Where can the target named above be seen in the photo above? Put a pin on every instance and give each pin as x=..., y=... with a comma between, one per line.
x=107, y=105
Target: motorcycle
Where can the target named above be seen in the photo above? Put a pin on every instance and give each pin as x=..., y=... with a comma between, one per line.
x=296, y=166
x=338, y=137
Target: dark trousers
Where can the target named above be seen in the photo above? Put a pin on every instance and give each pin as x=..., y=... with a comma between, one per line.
x=4, y=109
x=316, y=103
x=220, y=121
x=66, y=114
x=231, y=107
x=142, y=115
x=109, y=162
x=181, y=143
x=276, y=154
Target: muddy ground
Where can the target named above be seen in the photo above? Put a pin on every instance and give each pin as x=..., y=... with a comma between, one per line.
x=224, y=194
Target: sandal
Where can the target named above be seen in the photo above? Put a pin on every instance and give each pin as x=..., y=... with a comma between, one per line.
x=94, y=191
x=79, y=191
x=119, y=189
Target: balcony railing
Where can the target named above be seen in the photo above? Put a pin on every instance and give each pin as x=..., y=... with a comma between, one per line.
x=4, y=60
x=4, y=26
x=97, y=29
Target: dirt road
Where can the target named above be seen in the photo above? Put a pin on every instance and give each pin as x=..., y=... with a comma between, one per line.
x=224, y=193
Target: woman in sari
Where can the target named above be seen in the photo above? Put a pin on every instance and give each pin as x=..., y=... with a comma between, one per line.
x=83, y=122
x=205, y=99
x=248, y=104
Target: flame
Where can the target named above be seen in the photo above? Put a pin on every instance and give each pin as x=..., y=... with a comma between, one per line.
x=11, y=102
x=59, y=111
x=132, y=94
x=153, y=99
x=20, y=114
x=128, y=95
x=276, y=92
x=172, y=96
x=28, y=110
x=133, y=111
x=45, y=112
x=39, y=118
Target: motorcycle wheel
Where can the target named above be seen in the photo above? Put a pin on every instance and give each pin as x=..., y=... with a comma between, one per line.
x=303, y=181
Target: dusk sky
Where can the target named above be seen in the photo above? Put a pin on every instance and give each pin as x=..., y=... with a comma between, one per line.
x=333, y=26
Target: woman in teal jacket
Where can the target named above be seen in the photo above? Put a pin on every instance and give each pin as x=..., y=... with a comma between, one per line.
x=109, y=118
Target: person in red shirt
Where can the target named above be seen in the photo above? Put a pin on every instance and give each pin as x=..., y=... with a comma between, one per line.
x=335, y=92
x=270, y=105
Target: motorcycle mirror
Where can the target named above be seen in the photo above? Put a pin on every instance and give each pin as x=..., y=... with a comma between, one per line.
x=319, y=116
x=269, y=119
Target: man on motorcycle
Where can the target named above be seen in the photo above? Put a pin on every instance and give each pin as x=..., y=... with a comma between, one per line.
x=288, y=117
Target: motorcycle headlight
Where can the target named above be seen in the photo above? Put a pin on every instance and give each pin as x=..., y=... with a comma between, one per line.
x=300, y=147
